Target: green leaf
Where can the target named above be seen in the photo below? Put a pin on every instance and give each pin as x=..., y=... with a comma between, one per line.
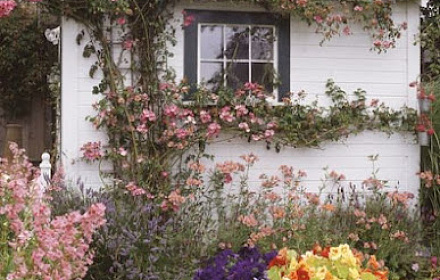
x=274, y=273
x=367, y=276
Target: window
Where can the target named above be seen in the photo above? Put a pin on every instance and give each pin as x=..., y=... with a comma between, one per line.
x=230, y=48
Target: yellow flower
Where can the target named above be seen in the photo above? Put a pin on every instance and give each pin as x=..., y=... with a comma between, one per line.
x=353, y=273
x=293, y=264
x=320, y=273
x=335, y=253
x=347, y=256
x=345, y=250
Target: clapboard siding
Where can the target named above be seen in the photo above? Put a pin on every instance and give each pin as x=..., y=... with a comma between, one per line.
x=347, y=60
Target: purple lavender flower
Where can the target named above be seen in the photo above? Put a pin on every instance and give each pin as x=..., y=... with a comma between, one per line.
x=248, y=264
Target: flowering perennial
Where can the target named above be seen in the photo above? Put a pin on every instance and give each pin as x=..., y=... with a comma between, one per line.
x=32, y=244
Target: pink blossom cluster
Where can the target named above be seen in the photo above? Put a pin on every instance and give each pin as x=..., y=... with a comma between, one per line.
x=173, y=201
x=6, y=7
x=91, y=151
x=381, y=27
x=248, y=220
x=400, y=198
x=429, y=179
x=41, y=247
x=228, y=168
x=291, y=178
x=135, y=190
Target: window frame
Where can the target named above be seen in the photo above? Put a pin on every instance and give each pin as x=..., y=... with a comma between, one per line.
x=282, y=29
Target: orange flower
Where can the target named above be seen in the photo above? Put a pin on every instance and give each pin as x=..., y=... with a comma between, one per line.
x=293, y=275
x=325, y=252
x=381, y=274
x=317, y=249
x=303, y=273
x=373, y=263
x=328, y=207
x=280, y=259
x=328, y=276
x=277, y=212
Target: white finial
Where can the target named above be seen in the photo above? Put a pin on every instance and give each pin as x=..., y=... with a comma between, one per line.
x=45, y=168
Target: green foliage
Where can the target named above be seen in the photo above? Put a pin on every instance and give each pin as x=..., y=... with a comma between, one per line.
x=25, y=59
x=429, y=38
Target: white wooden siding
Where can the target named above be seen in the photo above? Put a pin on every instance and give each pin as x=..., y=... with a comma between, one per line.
x=347, y=60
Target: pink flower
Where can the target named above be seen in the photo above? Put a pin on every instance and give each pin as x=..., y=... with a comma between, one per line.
x=318, y=19
x=358, y=8
x=171, y=110
x=225, y=114
x=337, y=18
x=268, y=134
x=164, y=86
x=250, y=158
x=128, y=44
x=142, y=128
x=122, y=151
x=244, y=126
x=346, y=31
x=121, y=21
x=43, y=247
x=404, y=25
x=249, y=220
x=250, y=86
x=272, y=125
x=213, y=130
x=301, y=3
x=187, y=19
x=256, y=137
x=181, y=133
x=135, y=190
x=205, y=117
x=176, y=199
x=91, y=151
x=6, y=7
x=148, y=115
x=387, y=44
x=241, y=110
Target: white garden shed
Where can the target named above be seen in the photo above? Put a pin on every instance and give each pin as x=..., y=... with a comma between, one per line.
x=305, y=65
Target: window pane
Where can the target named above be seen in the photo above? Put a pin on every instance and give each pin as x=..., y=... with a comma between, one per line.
x=262, y=43
x=211, y=41
x=237, y=42
x=211, y=74
x=237, y=74
x=263, y=74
